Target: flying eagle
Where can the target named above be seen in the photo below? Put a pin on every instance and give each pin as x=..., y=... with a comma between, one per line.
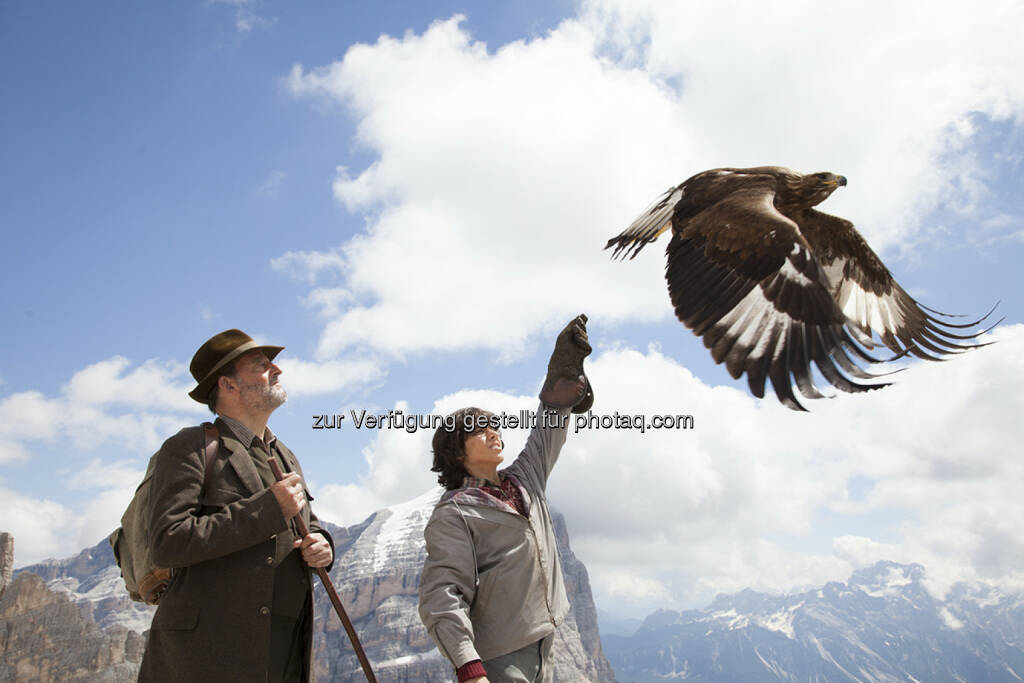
x=773, y=285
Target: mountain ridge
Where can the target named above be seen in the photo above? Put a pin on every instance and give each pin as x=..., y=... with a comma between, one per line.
x=376, y=572
x=882, y=624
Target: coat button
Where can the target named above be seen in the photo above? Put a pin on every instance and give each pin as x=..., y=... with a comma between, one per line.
x=264, y=611
x=269, y=561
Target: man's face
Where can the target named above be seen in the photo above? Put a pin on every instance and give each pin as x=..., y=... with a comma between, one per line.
x=257, y=381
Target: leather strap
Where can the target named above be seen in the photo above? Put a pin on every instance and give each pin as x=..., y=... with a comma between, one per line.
x=210, y=450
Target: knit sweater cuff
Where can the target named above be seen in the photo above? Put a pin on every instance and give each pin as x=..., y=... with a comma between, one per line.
x=470, y=670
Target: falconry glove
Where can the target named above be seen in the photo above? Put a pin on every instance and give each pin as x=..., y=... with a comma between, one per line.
x=566, y=385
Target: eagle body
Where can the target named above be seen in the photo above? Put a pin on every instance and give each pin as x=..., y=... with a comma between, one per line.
x=773, y=285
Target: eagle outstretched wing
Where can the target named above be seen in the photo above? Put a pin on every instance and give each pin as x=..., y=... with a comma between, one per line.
x=773, y=286
x=872, y=301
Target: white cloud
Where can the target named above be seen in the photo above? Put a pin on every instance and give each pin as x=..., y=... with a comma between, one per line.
x=98, y=474
x=499, y=173
x=43, y=528
x=307, y=265
x=305, y=378
x=492, y=190
x=272, y=185
x=150, y=385
x=860, y=551
x=38, y=526
x=12, y=452
x=27, y=414
x=207, y=314
x=137, y=407
x=106, y=402
x=246, y=20
x=330, y=301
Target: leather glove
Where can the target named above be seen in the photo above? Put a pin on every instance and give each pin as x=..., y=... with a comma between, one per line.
x=566, y=384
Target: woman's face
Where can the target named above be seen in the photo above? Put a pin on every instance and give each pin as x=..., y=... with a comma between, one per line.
x=483, y=449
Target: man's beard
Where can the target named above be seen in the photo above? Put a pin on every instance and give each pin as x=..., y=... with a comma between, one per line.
x=263, y=397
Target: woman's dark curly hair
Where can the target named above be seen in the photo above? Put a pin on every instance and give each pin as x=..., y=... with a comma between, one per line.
x=449, y=445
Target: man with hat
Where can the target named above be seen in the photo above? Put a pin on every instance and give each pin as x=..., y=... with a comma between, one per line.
x=239, y=607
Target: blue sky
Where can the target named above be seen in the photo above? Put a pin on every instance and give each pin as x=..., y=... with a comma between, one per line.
x=412, y=198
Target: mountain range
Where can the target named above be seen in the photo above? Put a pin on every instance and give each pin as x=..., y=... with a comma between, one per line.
x=880, y=625
x=376, y=573
x=71, y=619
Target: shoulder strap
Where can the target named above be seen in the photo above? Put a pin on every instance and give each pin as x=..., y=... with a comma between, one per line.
x=210, y=449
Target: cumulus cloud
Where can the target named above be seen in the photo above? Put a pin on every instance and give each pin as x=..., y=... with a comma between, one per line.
x=106, y=402
x=499, y=172
x=758, y=496
x=751, y=496
x=305, y=378
x=150, y=385
x=246, y=18
x=494, y=182
x=307, y=265
x=43, y=528
x=38, y=526
x=138, y=407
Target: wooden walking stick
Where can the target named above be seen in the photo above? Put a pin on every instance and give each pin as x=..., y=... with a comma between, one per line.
x=331, y=593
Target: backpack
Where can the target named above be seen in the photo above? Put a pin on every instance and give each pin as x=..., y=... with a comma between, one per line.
x=145, y=581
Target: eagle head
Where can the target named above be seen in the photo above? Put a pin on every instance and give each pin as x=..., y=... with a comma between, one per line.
x=816, y=187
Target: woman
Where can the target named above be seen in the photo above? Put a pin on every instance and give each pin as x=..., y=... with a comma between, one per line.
x=491, y=593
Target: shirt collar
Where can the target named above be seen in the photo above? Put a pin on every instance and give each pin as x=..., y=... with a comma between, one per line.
x=469, y=481
x=246, y=435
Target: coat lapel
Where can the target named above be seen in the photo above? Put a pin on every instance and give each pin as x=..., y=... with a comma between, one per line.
x=240, y=460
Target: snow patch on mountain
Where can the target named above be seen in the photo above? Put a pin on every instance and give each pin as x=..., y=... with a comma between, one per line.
x=731, y=619
x=888, y=583
x=949, y=620
x=781, y=621
x=401, y=522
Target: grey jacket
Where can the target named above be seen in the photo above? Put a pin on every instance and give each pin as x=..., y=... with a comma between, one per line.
x=492, y=582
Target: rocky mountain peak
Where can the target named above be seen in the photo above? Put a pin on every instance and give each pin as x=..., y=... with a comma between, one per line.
x=47, y=637
x=6, y=560
x=886, y=578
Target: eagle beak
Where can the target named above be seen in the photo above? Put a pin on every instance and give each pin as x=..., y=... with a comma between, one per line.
x=841, y=181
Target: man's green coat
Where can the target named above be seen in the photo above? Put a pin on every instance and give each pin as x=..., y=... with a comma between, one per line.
x=213, y=623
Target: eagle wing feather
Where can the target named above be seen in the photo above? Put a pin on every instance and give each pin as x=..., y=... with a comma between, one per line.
x=872, y=300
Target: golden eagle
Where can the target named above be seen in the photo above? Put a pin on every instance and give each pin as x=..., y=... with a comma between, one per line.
x=771, y=284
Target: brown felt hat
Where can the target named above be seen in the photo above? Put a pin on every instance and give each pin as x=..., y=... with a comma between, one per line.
x=217, y=353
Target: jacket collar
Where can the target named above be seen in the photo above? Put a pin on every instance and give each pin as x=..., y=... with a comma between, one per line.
x=471, y=494
x=239, y=458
